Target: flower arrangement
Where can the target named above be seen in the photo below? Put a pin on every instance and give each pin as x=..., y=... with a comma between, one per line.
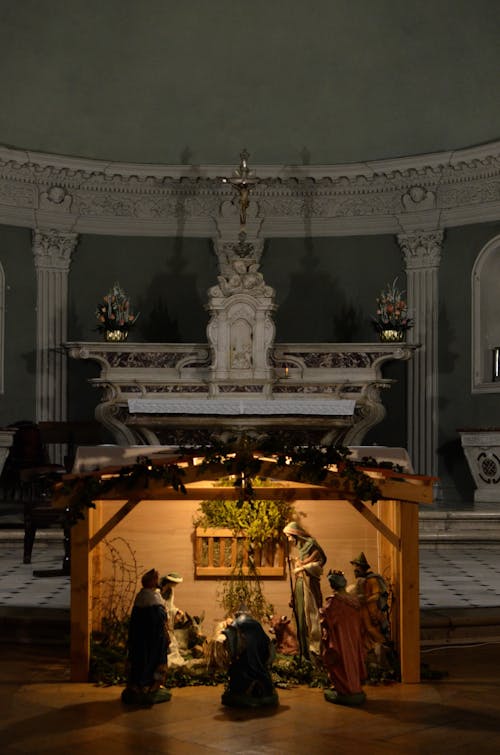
x=114, y=314
x=392, y=311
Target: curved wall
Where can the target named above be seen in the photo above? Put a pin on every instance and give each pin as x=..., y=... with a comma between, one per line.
x=296, y=83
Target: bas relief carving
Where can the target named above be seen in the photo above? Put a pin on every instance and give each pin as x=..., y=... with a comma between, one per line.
x=91, y=194
x=241, y=345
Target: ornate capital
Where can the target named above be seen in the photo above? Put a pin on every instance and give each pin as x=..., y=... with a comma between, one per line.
x=52, y=249
x=421, y=249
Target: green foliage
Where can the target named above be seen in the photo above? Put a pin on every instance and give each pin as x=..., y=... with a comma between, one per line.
x=107, y=662
x=194, y=676
x=290, y=671
x=310, y=463
x=82, y=491
x=261, y=520
x=244, y=592
x=237, y=459
x=314, y=462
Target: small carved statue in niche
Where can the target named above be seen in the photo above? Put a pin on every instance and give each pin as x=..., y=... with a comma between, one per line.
x=241, y=345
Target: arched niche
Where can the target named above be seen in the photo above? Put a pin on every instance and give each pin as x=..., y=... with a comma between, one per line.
x=486, y=317
x=2, y=326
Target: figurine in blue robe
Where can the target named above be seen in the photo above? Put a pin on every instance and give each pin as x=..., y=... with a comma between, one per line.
x=147, y=646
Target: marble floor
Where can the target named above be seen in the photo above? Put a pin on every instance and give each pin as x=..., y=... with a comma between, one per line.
x=458, y=714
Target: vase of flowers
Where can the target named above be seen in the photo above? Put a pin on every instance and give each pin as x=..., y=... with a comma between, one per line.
x=391, y=320
x=114, y=315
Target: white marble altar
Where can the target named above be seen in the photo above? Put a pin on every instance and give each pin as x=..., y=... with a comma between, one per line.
x=340, y=382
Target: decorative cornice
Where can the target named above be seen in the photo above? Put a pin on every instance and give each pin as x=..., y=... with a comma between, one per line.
x=390, y=196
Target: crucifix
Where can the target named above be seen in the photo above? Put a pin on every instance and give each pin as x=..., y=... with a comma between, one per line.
x=243, y=180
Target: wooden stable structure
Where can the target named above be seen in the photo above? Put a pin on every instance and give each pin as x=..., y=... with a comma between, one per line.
x=394, y=517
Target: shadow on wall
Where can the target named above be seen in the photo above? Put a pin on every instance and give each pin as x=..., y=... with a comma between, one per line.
x=172, y=310
x=348, y=323
x=447, y=336
x=315, y=309
x=157, y=326
x=457, y=469
x=29, y=358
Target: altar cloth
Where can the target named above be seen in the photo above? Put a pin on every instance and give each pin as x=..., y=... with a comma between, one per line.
x=250, y=407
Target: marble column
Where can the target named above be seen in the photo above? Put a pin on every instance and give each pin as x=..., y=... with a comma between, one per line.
x=422, y=254
x=52, y=252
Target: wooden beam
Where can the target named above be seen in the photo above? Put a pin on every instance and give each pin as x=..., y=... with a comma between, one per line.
x=370, y=516
x=117, y=517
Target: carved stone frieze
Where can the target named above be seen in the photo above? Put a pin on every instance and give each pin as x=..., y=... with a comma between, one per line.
x=92, y=193
x=227, y=388
x=333, y=359
x=17, y=195
x=163, y=388
x=151, y=359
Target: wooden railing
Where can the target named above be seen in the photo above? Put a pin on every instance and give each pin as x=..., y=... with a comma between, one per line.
x=222, y=553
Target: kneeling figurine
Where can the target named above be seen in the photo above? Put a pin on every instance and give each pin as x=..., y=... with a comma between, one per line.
x=342, y=644
x=250, y=655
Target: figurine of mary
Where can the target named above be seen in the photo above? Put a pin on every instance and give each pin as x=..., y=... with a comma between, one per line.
x=307, y=598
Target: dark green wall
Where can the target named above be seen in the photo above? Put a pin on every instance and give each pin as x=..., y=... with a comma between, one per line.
x=16, y=256
x=196, y=81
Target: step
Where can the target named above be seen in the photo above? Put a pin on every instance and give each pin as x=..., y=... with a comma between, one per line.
x=457, y=626
x=458, y=526
x=35, y=624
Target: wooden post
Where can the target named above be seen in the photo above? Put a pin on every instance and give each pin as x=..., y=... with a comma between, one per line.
x=388, y=560
x=409, y=596
x=81, y=613
x=401, y=567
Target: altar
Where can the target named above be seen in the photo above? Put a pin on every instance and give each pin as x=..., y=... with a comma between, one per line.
x=157, y=394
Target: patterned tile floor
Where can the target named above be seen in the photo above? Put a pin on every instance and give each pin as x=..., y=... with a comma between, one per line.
x=458, y=576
